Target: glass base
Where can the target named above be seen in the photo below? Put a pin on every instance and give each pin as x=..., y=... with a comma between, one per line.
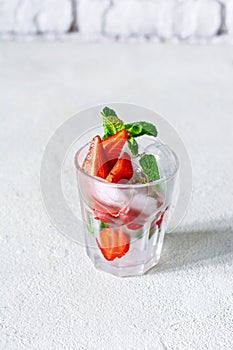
x=126, y=271
x=142, y=256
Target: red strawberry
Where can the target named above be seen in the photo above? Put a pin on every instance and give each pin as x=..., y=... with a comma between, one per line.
x=160, y=220
x=113, y=145
x=122, y=169
x=103, y=215
x=95, y=163
x=106, y=213
x=157, y=221
x=129, y=217
x=113, y=244
x=133, y=226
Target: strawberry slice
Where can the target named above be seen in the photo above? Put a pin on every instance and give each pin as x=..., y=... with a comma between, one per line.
x=103, y=216
x=113, y=244
x=122, y=169
x=157, y=222
x=106, y=213
x=113, y=145
x=160, y=220
x=95, y=162
x=129, y=217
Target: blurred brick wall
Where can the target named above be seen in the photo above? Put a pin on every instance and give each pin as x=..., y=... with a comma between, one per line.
x=164, y=19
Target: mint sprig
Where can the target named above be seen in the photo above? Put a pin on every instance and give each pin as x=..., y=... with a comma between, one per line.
x=141, y=128
x=111, y=123
x=149, y=166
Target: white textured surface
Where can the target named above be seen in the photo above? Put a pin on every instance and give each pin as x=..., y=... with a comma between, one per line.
x=26, y=16
x=208, y=19
x=7, y=15
x=90, y=15
x=181, y=19
x=55, y=16
x=35, y=16
x=166, y=19
x=51, y=297
x=131, y=17
x=185, y=19
x=229, y=16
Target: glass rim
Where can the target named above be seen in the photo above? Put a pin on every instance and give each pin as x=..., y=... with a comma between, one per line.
x=137, y=185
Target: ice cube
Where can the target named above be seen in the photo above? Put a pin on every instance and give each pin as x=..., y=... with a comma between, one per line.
x=143, y=203
x=164, y=156
x=138, y=175
x=110, y=196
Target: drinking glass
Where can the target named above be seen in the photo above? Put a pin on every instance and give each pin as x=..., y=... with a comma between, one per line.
x=125, y=223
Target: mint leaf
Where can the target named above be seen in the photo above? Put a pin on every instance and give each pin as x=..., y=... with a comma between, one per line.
x=102, y=225
x=133, y=146
x=106, y=112
x=89, y=225
x=111, y=123
x=152, y=231
x=149, y=167
x=141, y=128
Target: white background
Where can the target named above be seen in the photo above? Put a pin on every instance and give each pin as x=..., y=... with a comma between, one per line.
x=51, y=297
